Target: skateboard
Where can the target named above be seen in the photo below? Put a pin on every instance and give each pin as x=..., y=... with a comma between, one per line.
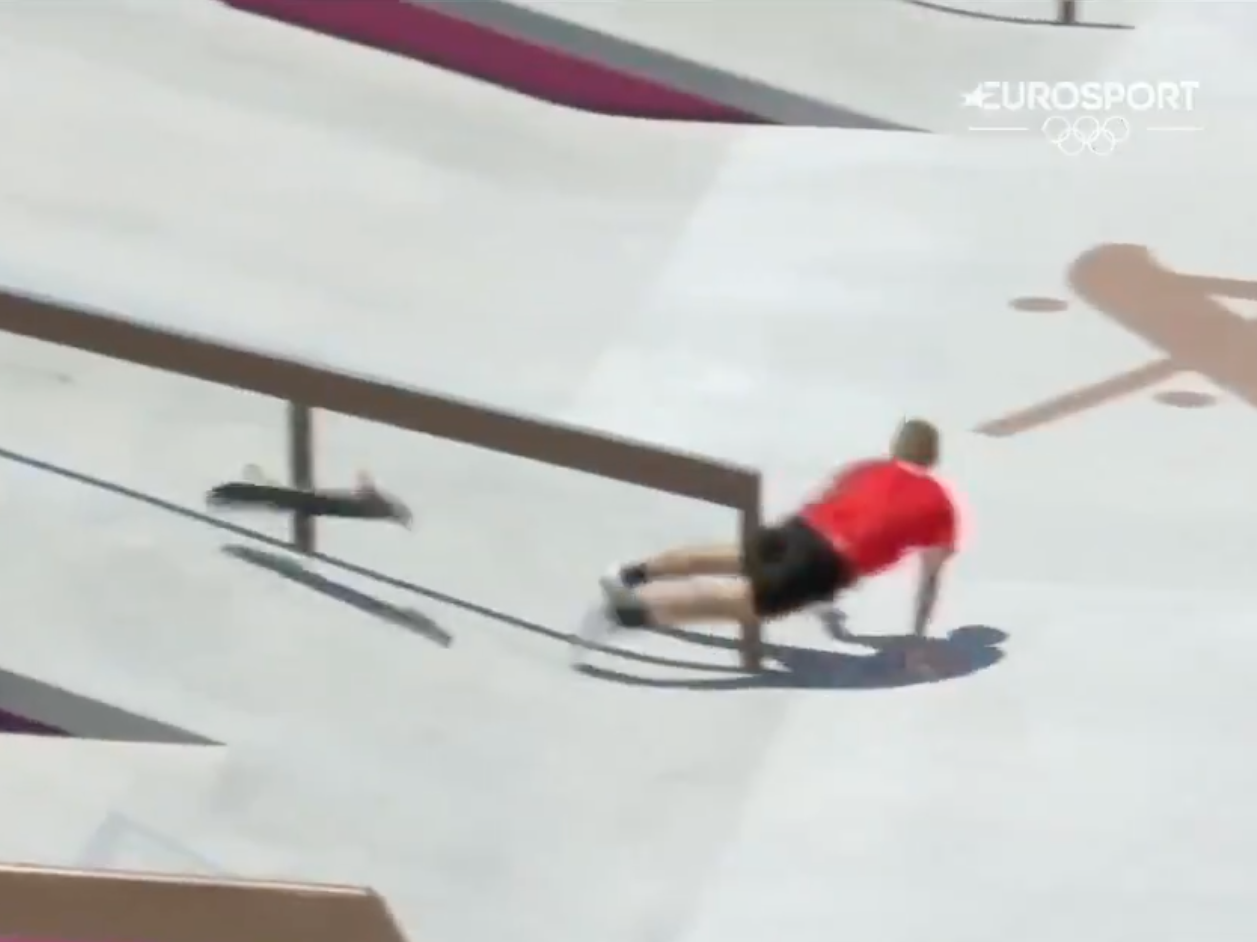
x=257, y=490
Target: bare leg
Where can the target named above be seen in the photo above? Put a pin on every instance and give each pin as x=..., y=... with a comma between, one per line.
x=679, y=603
x=724, y=560
x=721, y=560
x=690, y=602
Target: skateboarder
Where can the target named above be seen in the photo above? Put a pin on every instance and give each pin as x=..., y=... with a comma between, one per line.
x=871, y=515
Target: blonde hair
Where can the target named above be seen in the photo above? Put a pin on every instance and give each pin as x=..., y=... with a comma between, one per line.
x=916, y=442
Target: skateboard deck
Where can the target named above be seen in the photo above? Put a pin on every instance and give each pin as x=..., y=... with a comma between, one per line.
x=256, y=490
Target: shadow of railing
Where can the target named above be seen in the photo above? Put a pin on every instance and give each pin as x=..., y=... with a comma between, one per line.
x=280, y=562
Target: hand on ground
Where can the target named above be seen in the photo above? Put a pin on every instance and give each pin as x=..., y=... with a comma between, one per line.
x=920, y=663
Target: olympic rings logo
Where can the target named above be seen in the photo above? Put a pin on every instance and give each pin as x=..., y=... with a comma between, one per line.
x=1101, y=137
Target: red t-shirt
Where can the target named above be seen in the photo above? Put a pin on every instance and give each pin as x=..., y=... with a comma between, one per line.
x=878, y=511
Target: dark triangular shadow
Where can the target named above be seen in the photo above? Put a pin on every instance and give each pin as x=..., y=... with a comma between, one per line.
x=38, y=708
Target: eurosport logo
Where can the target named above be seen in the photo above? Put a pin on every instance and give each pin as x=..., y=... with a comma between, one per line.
x=1160, y=98
x=1086, y=134
x=1083, y=117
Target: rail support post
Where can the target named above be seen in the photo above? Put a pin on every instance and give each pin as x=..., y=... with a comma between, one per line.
x=752, y=631
x=1069, y=12
x=301, y=470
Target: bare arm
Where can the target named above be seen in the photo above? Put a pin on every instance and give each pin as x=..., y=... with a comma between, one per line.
x=932, y=562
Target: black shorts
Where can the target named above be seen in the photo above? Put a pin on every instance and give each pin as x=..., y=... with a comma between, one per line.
x=791, y=566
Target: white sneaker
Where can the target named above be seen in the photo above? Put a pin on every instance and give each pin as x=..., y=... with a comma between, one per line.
x=595, y=629
x=598, y=625
x=612, y=583
x=615, y=586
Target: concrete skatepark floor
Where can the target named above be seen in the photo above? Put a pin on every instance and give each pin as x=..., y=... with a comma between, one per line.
x=774, y=296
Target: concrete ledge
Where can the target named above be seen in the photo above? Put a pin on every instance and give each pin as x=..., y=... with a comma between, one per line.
x=547, y=58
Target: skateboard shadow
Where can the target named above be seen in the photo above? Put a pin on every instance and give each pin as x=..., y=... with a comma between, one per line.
x=287, y=567
x=964, y=651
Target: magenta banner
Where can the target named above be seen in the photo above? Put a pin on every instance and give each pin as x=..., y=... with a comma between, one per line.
x=439, y=39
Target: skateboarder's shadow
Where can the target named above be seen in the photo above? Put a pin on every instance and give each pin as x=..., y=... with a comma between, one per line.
x=963, y=651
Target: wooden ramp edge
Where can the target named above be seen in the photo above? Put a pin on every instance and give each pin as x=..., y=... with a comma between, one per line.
x=56, y=905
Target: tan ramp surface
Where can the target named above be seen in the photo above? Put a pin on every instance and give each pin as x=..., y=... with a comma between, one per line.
x=48, y=903
x=772, y=297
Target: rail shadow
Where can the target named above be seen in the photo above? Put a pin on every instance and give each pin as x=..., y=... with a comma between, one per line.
x=287, y=567
x=281, y=560
x=962, y=652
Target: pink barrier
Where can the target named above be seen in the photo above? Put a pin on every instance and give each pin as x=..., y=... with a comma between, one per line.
x=476, y=51
x=12, y=723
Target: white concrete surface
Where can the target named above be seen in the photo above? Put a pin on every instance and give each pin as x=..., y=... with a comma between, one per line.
x=778, y=297
x=886, y=58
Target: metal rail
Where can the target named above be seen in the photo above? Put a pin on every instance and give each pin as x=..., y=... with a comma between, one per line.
x=306, y=387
